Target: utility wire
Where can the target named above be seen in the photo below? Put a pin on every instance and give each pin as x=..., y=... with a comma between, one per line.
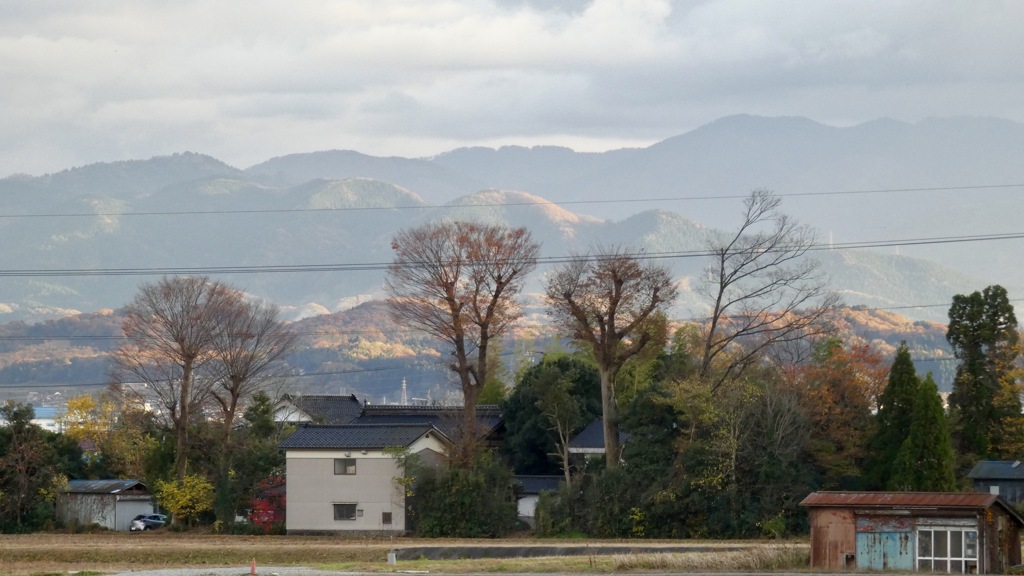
x=378, y=266
x=541, y=202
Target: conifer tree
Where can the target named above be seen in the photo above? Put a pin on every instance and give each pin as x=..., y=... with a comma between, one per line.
x=985, y=400
x=895, y=413
x=925, y=462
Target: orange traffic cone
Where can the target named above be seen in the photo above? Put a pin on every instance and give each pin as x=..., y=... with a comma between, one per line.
x=252, y=568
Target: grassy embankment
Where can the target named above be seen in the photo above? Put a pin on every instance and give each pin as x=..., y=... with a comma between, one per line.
x=51, y=554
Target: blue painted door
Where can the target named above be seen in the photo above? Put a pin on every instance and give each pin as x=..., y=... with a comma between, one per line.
x=885, y=550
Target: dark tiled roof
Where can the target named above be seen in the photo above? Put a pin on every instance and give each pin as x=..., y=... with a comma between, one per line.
x=538, y=484
x=355, y=436
x=329, y=409
x=103, y=486
x=444, y=418
x=997, y=470
x=592, y=437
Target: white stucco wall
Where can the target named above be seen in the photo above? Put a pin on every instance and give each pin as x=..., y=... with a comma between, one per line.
x=314, y=488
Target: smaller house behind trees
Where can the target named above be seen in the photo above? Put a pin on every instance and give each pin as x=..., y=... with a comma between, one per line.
x=1004, y=478
x=108, y=503
x=317, y=408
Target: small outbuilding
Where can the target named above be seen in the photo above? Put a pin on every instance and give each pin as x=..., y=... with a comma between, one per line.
x=953, y=532
x=528, y=493
x=108, y=503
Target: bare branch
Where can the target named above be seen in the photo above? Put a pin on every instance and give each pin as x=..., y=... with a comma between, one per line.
x=763, y=289
x=458, y=281
x=608, y=302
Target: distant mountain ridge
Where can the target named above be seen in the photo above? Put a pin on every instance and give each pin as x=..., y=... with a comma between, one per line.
x=359, y=351
x=125, y=222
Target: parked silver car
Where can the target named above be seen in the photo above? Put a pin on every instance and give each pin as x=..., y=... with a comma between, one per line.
x=147, y=522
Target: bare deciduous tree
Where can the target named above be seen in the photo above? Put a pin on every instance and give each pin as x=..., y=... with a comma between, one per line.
x=763, y=288
x=610, y=302
x=458, y=281
x=171, y=327
x=251, y=341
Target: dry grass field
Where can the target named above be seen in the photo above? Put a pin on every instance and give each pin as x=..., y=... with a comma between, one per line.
x=52, y=554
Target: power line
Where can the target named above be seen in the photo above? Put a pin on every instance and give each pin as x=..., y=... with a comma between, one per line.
x=541, y=202
x=378, y=266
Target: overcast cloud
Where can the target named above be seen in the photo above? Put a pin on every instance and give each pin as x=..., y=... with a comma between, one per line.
x=245, y=81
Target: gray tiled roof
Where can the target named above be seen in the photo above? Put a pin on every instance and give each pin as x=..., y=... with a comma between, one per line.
x=537, y=484
x=592, y=437
x=997, y=470
x=328, y=409
x=444, y=418
x=103, y=486
x=355, y=436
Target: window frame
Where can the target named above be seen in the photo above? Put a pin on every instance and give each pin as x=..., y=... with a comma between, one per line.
x=341, y=506
x=345, y=467
x=937, y=549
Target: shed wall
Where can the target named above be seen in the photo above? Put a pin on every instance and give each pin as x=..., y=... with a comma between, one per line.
x=833, y=538
x=76, y=510
x=128, y=509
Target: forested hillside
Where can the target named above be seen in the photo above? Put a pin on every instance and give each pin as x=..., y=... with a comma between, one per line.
x=361, y=351
x=312, y=232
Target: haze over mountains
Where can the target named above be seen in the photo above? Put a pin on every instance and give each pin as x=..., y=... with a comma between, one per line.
x=312, y=231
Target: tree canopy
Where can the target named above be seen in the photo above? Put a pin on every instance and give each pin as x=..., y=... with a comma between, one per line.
x=458, y=281
x=609, y=301
x=985, y=401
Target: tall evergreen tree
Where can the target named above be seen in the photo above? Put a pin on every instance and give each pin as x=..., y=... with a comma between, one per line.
x=985, y=400
x=925, y=462
x=895, y=414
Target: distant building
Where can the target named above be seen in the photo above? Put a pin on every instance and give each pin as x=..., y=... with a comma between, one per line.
x=1004, y=478
x=317, y=408
x=47, y=418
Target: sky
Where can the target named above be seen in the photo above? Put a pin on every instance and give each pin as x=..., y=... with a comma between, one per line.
x=245, y=81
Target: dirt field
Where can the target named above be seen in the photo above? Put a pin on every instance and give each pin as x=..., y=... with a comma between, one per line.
x=24, y=555
x=109, y=553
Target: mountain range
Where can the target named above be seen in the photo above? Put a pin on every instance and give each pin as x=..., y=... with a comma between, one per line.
x=908, y=210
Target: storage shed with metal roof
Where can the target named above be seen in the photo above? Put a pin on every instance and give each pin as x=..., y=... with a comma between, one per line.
x=110, y=504
x=954, y=532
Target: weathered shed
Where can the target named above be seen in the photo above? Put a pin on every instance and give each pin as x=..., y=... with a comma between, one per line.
x=955, y=532
x=108, y=503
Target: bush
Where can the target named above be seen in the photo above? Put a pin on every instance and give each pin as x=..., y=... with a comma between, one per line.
x=473, y=502
x=602, y=505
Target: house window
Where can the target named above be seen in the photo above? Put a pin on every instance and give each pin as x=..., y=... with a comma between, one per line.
x=385, y=518
x=344, y=511
x=346, y=466
x=953, y=550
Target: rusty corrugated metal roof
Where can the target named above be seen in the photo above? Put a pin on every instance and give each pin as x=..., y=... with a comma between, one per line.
x=910, y=500
x=901, y=499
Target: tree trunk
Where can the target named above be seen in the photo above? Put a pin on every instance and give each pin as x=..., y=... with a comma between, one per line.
x=182, y=422
x=611, y=420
